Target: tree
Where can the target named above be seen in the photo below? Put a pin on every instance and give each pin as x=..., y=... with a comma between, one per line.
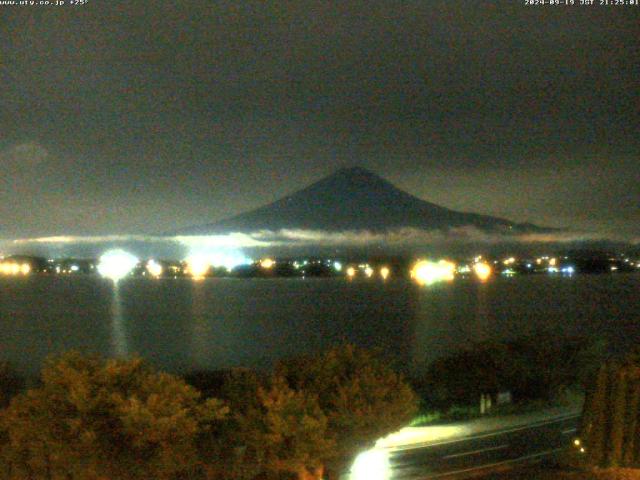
x=630, y=445
x=619, y=414
x=223, y=449
x=95, y=419
x=609, y=427
x=539, y=366
x=272, y=431
x=287, y=432
x=10, y=384
x=361, y=397
x=594, y=419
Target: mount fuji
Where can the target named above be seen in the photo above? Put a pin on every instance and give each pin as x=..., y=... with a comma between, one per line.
x=356, y=199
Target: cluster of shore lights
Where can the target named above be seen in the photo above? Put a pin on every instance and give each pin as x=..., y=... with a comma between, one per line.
x=267, y=263
x=198, y=265
x=367, y=271
x=426, y=272
x=13, y=268
x=116, y=264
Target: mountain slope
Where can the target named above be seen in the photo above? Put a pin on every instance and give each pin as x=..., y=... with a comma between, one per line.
x=354, y=199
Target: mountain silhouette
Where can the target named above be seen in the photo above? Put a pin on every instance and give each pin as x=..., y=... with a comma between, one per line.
x=355, y=199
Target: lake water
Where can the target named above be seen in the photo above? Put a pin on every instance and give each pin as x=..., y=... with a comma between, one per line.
x=180, y=324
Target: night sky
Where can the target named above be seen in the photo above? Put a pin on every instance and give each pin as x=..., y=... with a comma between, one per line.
x=142, y=117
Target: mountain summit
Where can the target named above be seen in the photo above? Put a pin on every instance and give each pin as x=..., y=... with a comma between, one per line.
x=354, y=199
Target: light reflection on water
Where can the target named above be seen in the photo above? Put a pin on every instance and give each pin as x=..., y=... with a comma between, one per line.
x=179, y=324
x=482, y=313
x=210, y=338
x=200, y=342
x=119, y=335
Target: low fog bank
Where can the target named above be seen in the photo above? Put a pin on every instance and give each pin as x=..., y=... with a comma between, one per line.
x=284, y=243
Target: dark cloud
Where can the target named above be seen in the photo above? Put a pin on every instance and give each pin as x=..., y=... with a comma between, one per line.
x=140, y=117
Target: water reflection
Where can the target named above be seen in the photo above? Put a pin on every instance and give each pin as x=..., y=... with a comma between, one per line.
x=217, y=339
x=482, y=312
x=200, y=343
x=451, y=316
x=180, y=324
x=436, y=309
x=118, y=332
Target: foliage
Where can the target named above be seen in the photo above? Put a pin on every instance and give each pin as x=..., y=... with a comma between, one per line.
x=94, y=419
x=10, y=384
x=610, y=428
x=223, y=449
x=286, y=430
x=312, y=412
x=541, y=366
x=362, y=398
x=272, y=432
x=119, y=419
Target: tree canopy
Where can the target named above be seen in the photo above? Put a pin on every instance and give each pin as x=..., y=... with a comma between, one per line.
x=95, y=418
x=361, y=396
x=92, y=419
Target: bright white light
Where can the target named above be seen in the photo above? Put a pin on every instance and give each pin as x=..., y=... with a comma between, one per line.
x=228, y=259
x=198, y=266
x=74, y=268
x=154, y=268
x=568, y=270
x=8, y=268
x=337, y=266
x=368, y=271
x=425, y=272
x=200, y=260
x=351, y=272
x=413, y=437
x=371, y=465
x=116, y=264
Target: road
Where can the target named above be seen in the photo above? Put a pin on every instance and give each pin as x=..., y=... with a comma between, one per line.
x=460, y=457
